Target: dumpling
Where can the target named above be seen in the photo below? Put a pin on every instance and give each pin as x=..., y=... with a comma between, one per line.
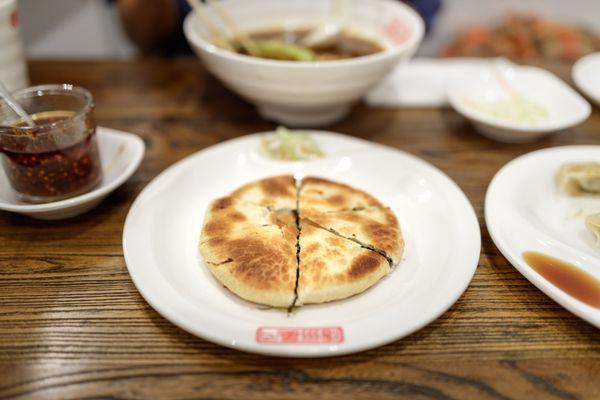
x=575, y=178
x=592, y=222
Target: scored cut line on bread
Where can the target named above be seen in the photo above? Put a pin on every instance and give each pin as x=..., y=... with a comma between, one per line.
x=334, y=268
x=353, y=239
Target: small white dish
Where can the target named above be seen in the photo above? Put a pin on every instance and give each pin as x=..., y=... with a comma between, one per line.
x=563, y=106
x=315, y=93
x=586, y=75
x=525, y=211
x=121, y=154
x=161, y=233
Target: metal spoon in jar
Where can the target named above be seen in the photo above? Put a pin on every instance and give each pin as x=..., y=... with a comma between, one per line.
x=15, y=106
x=327, y=33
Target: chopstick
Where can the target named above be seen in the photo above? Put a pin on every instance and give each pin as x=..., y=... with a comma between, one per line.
x=502, y=80
x=214, y=30
x=244, y=39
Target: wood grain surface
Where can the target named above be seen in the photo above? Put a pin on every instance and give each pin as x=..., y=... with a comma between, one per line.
x=72, y=324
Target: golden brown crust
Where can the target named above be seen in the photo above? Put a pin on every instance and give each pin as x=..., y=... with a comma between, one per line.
x=258, y=264
x=375, y=227
x=249, y=241
x=261, y=260
x=228, y=214
x=279, y=186
x=364, y=264
x=249, y=252
x=318, y=194
x=333, y=268
x=278, y=192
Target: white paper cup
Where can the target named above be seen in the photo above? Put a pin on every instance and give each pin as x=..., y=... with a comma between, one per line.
x=13, y=69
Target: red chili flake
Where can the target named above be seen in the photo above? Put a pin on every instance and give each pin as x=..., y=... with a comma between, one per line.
x=54, y=173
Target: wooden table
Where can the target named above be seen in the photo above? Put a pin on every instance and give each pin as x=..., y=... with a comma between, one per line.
x=72, y=324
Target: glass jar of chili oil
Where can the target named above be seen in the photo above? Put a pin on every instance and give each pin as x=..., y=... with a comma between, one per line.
x=58, y=157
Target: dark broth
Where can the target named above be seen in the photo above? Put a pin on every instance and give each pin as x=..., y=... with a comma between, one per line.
x=347, y=45
x=566, y=277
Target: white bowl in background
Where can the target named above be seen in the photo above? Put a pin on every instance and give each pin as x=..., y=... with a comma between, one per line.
x=586, y=75
x=308, y=93
x=120, y=153
x=564, y=107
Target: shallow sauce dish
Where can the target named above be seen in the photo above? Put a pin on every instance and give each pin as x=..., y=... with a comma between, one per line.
x=162, y=231
x=308, y=93
x=121, y=153
x=563, y=106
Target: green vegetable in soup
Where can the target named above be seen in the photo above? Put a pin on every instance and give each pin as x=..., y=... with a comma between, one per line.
x=280, y=50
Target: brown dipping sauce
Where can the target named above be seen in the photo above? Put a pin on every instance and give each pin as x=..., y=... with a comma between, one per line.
x=566, y=277
x=51, y=171
x=346, y=46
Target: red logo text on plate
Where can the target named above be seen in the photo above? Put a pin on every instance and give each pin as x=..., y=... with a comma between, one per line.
x=398, y=31
x=312, y=335
x=14, y=19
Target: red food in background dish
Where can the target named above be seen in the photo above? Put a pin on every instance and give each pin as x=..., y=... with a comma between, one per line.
x=525, y=38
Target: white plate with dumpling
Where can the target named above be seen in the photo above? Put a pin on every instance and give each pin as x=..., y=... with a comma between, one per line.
x=529, y=209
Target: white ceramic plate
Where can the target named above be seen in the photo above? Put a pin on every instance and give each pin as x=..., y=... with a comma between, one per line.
x=120, y=152
x=565, y=108
x=524, y=211
x=160, y=243
x=586, y=75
